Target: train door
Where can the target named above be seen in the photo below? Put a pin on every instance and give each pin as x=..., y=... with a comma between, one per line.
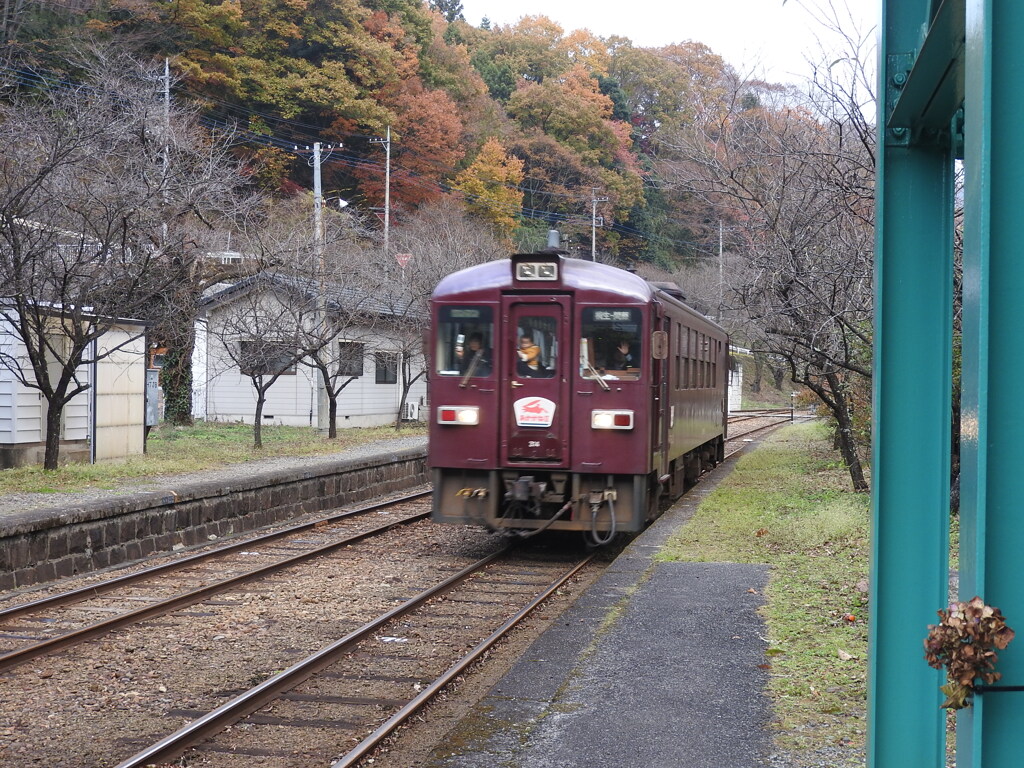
x=536, y=352
x=661, y=370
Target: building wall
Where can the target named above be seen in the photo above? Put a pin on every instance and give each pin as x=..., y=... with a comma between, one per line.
x=120, y=395
x=736, y=388
x=119, y=411
x=199, y=370
x=76, y=417
x=21, y=408
x=292, y=399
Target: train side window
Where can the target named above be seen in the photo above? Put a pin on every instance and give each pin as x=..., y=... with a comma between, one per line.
x=465, y=342
x=611, y=344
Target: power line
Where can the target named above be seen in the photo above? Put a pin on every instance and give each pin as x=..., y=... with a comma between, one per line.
x=33, y=78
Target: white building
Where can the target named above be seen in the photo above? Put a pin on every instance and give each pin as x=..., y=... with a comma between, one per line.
x=105, y=422
x=372, y=358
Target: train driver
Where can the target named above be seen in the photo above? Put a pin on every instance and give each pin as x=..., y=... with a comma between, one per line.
x=476, y=361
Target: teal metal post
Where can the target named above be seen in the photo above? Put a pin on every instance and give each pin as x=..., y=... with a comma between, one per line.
x=990, y=734
x=912, y=400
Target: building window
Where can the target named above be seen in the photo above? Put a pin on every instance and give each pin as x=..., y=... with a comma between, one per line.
x=266, y=358
x=387, y=367
x=350, y=358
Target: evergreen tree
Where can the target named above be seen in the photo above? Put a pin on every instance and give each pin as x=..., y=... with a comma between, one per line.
x=450, y=9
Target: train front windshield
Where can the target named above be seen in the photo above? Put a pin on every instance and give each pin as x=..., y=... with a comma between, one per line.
x=465, y=340
x=610, y=343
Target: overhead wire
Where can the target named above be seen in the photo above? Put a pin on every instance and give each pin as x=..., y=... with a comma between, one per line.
x=305, y=134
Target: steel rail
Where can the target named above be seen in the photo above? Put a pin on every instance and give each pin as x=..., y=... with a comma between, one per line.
x=19, y=656
x=407, y=711
x=731, y=438
x=176, y=744
x=754, y=431
x=93, y=590
x=737, y=416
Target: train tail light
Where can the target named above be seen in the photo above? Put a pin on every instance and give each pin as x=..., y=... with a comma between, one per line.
x=458, y=414
x=611, y=419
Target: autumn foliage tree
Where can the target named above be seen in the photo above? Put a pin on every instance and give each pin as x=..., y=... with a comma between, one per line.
x=423, y=154
x=490, y=186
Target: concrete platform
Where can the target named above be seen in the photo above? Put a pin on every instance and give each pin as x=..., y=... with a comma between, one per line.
x=44, y=537
x=657, y=665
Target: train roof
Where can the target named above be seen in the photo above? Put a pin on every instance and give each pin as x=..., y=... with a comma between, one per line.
x=598, y=282
x=573, y=274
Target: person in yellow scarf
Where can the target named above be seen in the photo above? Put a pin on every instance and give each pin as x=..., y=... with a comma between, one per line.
x=529, y=358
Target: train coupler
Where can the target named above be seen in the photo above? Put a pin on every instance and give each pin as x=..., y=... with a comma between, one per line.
x=525, y=489
x=596, y=498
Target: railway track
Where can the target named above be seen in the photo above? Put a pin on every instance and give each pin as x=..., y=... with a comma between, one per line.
x=65, y=619
x=758, y=413
x=158, y=590
x=170, y=654
x=198, y=633
x=767, y=420
x=373, y=679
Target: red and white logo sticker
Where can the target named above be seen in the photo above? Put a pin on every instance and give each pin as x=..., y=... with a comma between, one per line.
x=534, y=412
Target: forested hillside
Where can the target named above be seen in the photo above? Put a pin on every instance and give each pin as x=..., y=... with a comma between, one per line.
x=526, y=124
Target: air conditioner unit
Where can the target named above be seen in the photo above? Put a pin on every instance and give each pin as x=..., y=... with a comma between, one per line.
x=412, y=412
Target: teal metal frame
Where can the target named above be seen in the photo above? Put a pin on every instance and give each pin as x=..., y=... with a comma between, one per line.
x=951, y=86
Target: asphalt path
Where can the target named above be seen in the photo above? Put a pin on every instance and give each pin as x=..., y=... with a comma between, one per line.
x=657, y=665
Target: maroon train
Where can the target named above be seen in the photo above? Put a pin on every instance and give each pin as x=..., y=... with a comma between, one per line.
x=569, y=395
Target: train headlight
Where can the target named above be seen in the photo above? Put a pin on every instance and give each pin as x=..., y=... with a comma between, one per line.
x=611, y=419
x=458, y=414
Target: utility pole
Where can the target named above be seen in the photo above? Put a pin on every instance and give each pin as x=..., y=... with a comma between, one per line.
x=721, y=284
x=323, y=403
x=318, y=207
x=167, y=143
x=594, y=200
x=387, y=184
x=315, y=162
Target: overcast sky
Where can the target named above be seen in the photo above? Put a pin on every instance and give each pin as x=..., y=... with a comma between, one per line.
x=761, y=38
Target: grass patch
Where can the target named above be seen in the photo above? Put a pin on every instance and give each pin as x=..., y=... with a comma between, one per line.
x=174, y=450
x=788, y=505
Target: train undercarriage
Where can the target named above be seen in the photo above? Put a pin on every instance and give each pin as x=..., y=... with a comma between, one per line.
x=530, y=500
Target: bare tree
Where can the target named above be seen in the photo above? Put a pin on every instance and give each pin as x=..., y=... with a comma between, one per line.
x=438, y=240
x=258, y=328
x=336, y=342
x=86, y=204
x=794, y=174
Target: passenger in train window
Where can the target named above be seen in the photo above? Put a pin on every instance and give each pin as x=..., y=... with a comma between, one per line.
x=529, y=358
x=621, y=357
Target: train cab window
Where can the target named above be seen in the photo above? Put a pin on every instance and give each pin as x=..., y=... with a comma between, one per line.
x=465, y=342
x=536, y=347
x=610, y=343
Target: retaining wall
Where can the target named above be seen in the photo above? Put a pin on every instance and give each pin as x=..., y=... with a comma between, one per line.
x=45, y=544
